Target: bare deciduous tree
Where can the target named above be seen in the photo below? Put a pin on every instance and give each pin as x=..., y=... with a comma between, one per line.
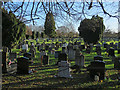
x=61, y=10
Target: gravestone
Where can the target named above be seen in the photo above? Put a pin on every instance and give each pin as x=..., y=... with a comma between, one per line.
x=57, y=53
x=52, y=52
x=98, y=57
x=91, y=46
x=38, y=47
x=4, y=62
x=62, y=57
x=45, y=60
x=49, y=49
x=119, y=51
x=111, y=44
x=98, y=50
x=64, y=70
x=53, y=45
x=82, y=47
x=111, y=52
x=75, y=47
x=42, y=53
x=88, y=49
x=12, y=56
x=46, y=47
x=71, y=53
x=79, y=59
x=119, y=45
x=64, y=49
x=105, y=45
x=28, y=55
x=32, y=51
x=22, y=65
x=117, y=63
x=115, y=46
x=97, y=67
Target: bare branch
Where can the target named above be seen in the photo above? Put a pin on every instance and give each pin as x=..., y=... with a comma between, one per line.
x=37, y=8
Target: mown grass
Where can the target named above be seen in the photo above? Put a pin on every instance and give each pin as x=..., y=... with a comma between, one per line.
x=44, y=77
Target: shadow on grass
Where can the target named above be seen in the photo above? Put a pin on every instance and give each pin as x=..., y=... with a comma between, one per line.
x=51, y=82
x=105, y=85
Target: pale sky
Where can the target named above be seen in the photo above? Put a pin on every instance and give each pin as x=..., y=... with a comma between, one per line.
x=111, y=23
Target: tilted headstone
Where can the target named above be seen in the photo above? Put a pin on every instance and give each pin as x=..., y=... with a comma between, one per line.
x=64, y=70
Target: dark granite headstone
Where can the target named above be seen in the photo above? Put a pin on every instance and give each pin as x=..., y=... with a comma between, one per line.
x=62, y=57
x=111, y=52
x=105, y=45
x=23, y=65
x=117, y=63
x=4, y=63
x=45, y=59
x=97, y=68
x=118, y=51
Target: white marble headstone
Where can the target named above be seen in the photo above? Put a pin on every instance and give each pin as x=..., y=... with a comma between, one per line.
x=64, y=70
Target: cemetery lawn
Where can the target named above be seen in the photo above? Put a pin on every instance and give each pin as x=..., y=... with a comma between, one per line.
x=44, y=76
